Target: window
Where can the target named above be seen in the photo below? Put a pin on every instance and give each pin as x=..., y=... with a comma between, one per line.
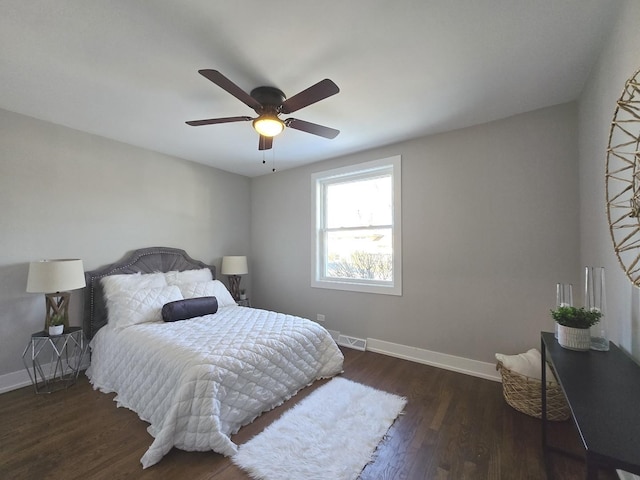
x=356, y=233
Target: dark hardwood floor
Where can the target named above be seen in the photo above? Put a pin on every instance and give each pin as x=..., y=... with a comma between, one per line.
x=454, y=427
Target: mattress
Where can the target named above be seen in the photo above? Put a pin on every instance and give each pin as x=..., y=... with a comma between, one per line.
x=197, y=381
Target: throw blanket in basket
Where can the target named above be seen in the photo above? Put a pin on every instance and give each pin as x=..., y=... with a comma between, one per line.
x=521, y=385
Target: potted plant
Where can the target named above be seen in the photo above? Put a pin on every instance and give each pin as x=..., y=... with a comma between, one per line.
x=56, y=324
x=574, y=325
x=243, y=294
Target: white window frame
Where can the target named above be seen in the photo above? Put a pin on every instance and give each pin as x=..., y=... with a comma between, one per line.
x=362, y=171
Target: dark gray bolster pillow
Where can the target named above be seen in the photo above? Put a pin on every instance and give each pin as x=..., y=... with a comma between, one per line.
x=189, y=308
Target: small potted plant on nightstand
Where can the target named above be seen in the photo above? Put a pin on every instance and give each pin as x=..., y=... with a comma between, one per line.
x=56, y=324
x=574, y=325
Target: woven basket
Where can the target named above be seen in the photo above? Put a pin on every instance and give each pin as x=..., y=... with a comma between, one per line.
x=523, y=393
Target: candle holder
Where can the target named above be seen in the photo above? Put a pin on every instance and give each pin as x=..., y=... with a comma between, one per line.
x=595, y=299
x=564, y=298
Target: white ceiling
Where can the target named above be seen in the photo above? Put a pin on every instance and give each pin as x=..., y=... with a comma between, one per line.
x=127, y=69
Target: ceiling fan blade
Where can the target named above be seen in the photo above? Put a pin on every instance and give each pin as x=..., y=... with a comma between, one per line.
x=265, y=143
x=226, y=84
x=321, y=90
x=211, y=121
x=313, y=128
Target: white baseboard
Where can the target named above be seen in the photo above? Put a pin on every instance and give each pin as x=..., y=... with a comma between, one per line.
x=14, y=381
x=19, y=379
x=334, y=334
x=435, y=359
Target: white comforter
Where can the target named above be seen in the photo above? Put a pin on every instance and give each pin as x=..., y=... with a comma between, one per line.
x=198, y=381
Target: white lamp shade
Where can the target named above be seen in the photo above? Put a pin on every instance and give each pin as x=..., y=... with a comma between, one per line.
x=60, y=275
x=234, y=265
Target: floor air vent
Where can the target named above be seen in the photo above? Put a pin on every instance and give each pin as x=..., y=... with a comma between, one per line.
x=352, y=342
x=334, y=334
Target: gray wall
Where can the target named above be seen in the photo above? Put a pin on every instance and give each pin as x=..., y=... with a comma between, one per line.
x=619, y=60
x=66, y=194
x=490, y=225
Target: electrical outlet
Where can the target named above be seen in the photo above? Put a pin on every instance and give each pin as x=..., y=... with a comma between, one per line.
x=320, y=318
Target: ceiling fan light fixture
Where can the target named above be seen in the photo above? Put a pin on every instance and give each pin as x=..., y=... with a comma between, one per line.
x=268, y=125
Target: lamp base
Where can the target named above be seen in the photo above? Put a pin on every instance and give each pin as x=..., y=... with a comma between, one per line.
x=57, y=304
x=234, y=285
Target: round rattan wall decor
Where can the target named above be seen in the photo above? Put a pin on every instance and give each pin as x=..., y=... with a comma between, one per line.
x=623, y=179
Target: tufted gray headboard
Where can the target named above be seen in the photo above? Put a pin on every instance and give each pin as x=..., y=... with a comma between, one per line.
x=144, y=260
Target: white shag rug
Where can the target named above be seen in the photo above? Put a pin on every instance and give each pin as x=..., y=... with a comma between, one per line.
x=332, y=434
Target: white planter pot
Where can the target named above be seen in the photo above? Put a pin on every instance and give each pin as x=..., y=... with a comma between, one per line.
x=56, y=329
x=574, y=338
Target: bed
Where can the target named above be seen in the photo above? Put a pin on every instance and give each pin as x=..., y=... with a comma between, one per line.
x=196, y=380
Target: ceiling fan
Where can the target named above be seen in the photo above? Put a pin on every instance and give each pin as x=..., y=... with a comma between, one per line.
x=269, y=103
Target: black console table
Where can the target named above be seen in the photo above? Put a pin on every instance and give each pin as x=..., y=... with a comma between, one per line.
x=603, y=393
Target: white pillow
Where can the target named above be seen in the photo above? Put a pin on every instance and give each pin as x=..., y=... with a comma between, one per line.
x=214, y=288
x=188, y=276
x=130, y=307
x=115, y=284
x=527, y=364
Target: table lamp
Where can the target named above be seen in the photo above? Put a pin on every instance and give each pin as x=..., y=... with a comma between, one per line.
x=55, y=278
x=234, y=266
